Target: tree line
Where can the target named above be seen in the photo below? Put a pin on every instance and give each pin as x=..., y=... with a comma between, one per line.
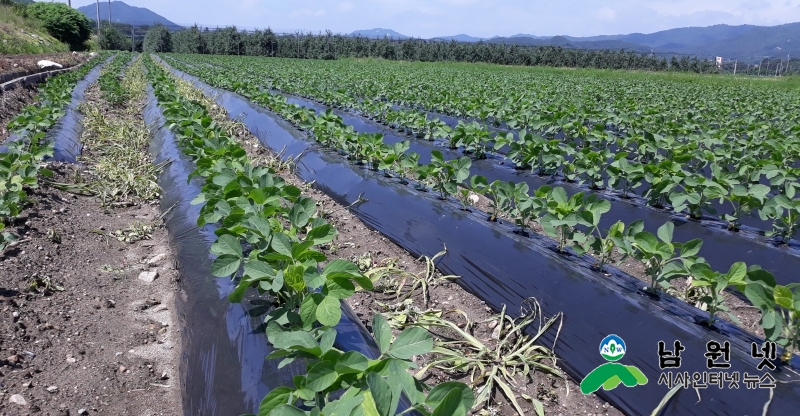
x=230, y=41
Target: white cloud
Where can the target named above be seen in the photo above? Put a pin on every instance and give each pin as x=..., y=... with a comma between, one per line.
x=346, y=6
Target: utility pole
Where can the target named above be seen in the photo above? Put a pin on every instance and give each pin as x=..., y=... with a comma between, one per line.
x=97, y=3
x=133, y=38
x=788, y=63
x=734, y=66
x=109, y=12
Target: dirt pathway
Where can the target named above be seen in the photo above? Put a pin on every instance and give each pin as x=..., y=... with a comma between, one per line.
x=87, y=300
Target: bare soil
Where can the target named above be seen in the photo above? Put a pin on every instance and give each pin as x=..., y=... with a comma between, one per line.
x=106, y=342
x=11, y=103
x=22, y=65
x=84, y=327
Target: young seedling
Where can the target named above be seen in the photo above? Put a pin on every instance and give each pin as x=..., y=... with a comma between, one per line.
x=498, y=199
x=785, y=216
x=696, y=195
x=467, y=198
x=518, y=204
x=624, y=175
x=595, y=243
x=779, y=306
x=6, y=238
x=664, y=177
x=658, y=254
x=564, y=214
x=394, y=158
x=715, y=284
x=448, y=175
x=407, y=166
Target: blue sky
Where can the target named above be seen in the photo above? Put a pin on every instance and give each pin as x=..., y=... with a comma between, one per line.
x=484, y=18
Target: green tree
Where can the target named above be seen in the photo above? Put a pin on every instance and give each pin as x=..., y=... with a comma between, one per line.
x=63, y=23
x=111, y=39
x=188, y=41
x=157, y=39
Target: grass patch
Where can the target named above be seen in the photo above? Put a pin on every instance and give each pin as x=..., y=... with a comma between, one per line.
x=117, y=141
x=21, y=35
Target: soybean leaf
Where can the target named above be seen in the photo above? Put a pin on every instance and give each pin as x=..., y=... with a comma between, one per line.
x=339, y=265
x=339, y=288
x=327, y=340
x=411, y=342
x=352, y=362
x=227, y=244
x=382, y=332
x=329, y=311
x=322, y=234
x=343, y=406
x=321, y=376
x=308, y=309
x=438, y=394
x=413, y=388
x=257, y=269
x=783, y=296
x=381, y=393
x=286, y=410
x=275, y=398
x=691, y=247
x=450, y=405
x=225, y=265
x=665, y=232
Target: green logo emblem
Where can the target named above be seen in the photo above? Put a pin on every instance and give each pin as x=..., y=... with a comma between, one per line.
x=611, y=374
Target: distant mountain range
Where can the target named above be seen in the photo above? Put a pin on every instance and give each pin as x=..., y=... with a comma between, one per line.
x=379, y=33
x=123, y=13
x=744, y=42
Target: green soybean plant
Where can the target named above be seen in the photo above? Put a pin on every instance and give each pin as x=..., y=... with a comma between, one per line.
x=713, y=285
x=662, y=258
x=785, y=216
x=664, y=177
x=394, y=157
x=522, y=207
x=472, y=136
x=370, y=386
x=594, y=241
x=6, y=238
x=590, y=164
x=624, y=175
x=779, y=306
x=480, y=185
x=787, y=298
x=696, y=195
x=563, y=214
x=446, y=176
x=744, y=197
x=407, y=166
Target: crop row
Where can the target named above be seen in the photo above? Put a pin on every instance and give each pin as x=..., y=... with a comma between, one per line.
x=19, y=165
x=571, y=221
x=748, y=168
x=281, y=259
x=109, y=80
